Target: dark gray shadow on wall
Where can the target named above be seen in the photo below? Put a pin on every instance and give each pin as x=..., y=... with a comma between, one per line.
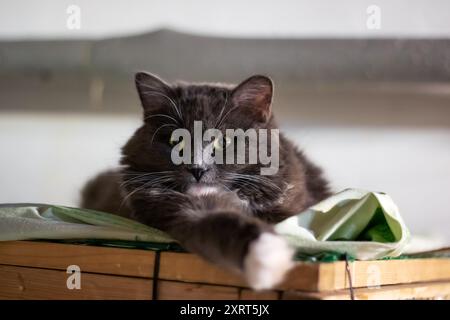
x=326, y=81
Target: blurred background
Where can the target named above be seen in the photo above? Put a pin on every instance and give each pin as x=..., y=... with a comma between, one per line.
x=362, y=86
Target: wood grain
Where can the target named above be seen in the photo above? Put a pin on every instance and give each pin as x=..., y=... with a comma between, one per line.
x=34, y=283
x=189, y=268
x=116, y=261
x=247, y=294
x=365, y=274
x=430, y=290
x=192, y=268
x=174, y=290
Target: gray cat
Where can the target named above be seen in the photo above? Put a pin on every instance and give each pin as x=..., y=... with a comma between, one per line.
x=223, y=212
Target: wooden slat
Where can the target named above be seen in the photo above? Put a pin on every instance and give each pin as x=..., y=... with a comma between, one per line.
x=34, y=283
x=430, y=290
x=116, y=261
x=191, y=268
x=247, y=294
x=381, y=272
x=304, y=276
x=313, y=276
x=174, y=290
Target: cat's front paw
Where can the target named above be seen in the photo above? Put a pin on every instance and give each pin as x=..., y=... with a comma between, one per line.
x=268, y=259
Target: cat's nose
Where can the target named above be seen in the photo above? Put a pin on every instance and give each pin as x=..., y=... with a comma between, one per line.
x=197, y=172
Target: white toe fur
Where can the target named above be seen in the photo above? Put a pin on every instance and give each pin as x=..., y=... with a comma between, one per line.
x=268, y=259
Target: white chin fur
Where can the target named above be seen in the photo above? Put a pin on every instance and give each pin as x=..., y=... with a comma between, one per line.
x=268, y=259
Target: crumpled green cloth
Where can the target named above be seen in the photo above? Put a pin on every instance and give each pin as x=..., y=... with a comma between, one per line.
x=34, y=221
x=365, y=225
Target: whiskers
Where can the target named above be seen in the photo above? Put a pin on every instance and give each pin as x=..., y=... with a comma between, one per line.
x=226, y=115
x=154, y=91
x=254, y=183
x=219, y=118
x=176, y=121
x=159, y=128
x=138, y=182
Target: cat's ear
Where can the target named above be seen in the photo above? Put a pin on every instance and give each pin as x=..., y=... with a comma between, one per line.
x=256, y=93
x=153, y=92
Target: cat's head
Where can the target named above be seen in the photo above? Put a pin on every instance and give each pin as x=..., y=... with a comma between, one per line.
x=167, y=107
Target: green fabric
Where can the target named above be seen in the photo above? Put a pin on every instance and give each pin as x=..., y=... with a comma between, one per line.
x=58, y=222
x=365, y=225
x=360, y=224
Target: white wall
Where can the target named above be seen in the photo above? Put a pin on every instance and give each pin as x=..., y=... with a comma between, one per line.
x=254, y=18
x=46, y=158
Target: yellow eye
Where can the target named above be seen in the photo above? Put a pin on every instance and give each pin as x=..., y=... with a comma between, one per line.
x=222, y=143
x=174, y=141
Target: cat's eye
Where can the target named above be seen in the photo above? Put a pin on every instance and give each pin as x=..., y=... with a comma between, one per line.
x=222, y=143
x=175, y=141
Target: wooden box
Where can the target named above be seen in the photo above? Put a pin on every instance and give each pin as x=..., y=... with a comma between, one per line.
x=38, y=270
